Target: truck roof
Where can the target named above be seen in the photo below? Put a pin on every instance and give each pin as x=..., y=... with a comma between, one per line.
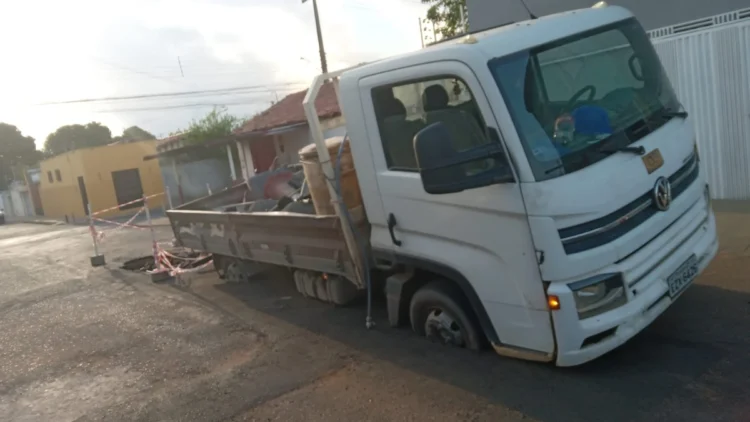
x=504, y=40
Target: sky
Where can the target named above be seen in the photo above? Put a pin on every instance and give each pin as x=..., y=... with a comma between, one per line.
x=56, y=51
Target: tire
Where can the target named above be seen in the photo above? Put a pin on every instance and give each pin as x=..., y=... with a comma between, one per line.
x=439, y=312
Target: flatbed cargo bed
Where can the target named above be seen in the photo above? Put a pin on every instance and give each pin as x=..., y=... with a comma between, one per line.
x=303, y=241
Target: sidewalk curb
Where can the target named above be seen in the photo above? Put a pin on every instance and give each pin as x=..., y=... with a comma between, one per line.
x=42, y=222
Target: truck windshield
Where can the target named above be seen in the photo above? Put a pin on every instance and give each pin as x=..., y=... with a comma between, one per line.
x=577, y=100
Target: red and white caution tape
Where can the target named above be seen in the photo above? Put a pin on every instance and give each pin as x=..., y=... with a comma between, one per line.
x=182, y=257
x=166, y=264
x=101, y=233
x=127, y=203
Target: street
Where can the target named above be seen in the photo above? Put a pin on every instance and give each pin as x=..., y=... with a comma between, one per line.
x=82, y=343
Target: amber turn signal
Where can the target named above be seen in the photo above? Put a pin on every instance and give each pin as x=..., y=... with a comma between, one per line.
x=553, y=302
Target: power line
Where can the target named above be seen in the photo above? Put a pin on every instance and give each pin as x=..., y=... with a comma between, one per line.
x=179, y=106
x=235, y=101
x=137, y=72
x=173, y=94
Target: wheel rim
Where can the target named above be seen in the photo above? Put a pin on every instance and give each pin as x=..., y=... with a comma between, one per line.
x=442, y=327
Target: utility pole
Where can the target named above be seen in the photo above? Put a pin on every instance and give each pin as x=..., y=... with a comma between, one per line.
x=462, y=27
x=421, y=34
x=323, y=64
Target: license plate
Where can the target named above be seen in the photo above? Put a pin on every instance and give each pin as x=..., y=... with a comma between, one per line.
x=653, y=160
x=681, y=278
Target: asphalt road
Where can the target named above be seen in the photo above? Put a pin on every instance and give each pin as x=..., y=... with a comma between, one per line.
x=78, y=343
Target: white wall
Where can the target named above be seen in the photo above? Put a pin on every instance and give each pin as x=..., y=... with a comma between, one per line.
x=652, y=14
x=710, y=71
x=16, y=201
x=290, y=143
x=195, y=177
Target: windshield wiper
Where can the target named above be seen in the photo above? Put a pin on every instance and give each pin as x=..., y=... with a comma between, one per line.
x=555, y=168
x=668, y=114
x=639, y=150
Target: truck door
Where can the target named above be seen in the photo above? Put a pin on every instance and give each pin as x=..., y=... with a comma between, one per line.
x=481, y=234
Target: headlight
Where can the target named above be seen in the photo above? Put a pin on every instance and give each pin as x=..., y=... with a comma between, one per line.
x=598, y=294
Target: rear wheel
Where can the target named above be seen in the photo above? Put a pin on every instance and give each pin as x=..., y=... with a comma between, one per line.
x=439, y=312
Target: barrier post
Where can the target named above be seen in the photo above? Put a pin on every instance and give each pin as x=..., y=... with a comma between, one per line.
x=158, y=274
x=96, y=260
x=154, y=248
x=208, y=188
x=169, y=197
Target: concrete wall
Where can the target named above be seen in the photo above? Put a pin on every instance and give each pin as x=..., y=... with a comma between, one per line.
x=20, y=201
x=101, y=162
x=194, y=176
x=484, y=14
x=62, y=199
x=16, y=201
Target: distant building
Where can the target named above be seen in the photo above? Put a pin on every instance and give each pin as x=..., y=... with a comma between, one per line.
x=33, y=179
x=192, y=171
x=105, y=177
x=21, y=199
x=275, y=136
x=17, y=200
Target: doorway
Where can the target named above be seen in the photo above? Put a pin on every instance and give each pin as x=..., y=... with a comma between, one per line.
x=84, y=195
x=128, y=188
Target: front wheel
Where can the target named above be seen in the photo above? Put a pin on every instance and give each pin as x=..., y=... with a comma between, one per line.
x=439, y=312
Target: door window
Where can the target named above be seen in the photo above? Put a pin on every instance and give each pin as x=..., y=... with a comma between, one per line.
x=402, y=110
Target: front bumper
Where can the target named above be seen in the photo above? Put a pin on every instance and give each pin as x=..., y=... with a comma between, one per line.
x=645, y=274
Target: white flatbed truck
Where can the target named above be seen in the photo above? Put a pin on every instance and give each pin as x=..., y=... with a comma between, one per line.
x=536, y=186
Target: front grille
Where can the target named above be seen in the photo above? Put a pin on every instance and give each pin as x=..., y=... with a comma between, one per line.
x=601, y=231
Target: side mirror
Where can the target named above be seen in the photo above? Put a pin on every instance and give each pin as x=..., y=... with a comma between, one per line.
x=445, y=169
x=634, y=63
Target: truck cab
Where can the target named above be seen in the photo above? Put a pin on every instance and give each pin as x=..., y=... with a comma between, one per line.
x=543, y=176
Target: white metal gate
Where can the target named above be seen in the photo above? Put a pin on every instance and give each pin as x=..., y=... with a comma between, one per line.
x=708, y=62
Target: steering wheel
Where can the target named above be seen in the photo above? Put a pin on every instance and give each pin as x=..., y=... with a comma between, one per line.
x=591, y=89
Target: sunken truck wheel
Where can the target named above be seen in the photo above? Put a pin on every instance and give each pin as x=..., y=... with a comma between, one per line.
x=439, y=312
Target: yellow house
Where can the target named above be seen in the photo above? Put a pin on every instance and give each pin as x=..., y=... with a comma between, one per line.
x=104, y=177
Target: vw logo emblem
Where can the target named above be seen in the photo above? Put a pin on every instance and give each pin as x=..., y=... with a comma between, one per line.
x=662, y=193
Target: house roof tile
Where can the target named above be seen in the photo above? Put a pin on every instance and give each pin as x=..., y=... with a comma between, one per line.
x=289, y=111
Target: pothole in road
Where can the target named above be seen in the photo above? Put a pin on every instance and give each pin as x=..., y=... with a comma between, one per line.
x=142, y=264
x=180, y=259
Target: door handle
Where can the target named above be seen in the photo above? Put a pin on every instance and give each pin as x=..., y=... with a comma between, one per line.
x=391, y=225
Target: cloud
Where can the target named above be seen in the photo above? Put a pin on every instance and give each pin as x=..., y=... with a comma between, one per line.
x=92, y=49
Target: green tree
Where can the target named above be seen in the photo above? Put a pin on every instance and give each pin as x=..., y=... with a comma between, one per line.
x=217, y=124
x=446, y=15
x=15, y=150
x=134, y=134
x=72, y=137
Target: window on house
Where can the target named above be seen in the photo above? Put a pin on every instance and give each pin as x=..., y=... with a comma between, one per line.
x=49, y=176
x=58, y=176
x=403, y=110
